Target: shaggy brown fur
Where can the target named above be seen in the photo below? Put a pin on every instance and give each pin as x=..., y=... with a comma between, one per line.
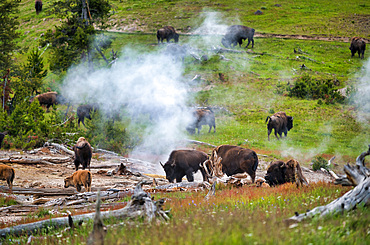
x=168, y=33
x=280, y=122
x=78, y=179
x=83, y=153
x=48, y=99
x=7, y=173
x=280, y=173
x=358, y=45
x=204, y=116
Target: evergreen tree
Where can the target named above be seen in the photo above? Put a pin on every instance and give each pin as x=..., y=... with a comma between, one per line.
x=8, y=33
x=73, y=40
x=34, y=71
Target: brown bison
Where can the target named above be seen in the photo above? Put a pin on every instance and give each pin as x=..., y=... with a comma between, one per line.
x=83, y=153
x=78, y=179
x=236, y=34
x=279, y=173
x=358, y=45
x=184, y=162
x=280, y=122
x=85, y=111
x=168, y=33
x=38, y=6
x=7, y=173
x=204, y=116
x=49, y=99
x=234, y=159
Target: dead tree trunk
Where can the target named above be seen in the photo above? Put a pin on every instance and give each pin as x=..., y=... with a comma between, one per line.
x=360, y=195
x=140, y=205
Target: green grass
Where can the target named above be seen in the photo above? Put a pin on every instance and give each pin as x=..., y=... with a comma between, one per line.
x=235, y=216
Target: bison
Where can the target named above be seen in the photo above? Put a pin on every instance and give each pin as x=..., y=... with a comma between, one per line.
x=168, y=33
x=38, y=6
x=7, y=173
x=85, y=111
x=279, y=173
x=232, y=159
x=49, y=99
x=358, y=45
x=78, y=179
x=83, y=153
x=236, y=34
x=204, y=116
x=184, y=162
x=280, y=122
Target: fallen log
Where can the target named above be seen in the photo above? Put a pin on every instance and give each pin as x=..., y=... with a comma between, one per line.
x=43, y=160
x=199, y=143
x=61, y=147
x=40, y=191
x=141, y=205
x=360, y=195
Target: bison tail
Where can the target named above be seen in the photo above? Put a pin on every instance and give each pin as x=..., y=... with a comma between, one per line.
x=268, y=117
x=89, y=177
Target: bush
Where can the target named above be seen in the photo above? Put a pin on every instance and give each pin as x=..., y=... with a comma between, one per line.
x=319, y=162
x=307, y=87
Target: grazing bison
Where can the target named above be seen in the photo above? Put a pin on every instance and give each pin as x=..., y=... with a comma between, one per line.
x=358, y=45
x=236, y=34
x=168, y=33
x=204, y=116
x=83, y=153
x=280, y=122
x=38, y=6
x=49, y=99
x=78, y=179
x=279, y=173
x=85, y=111
x=235, y=159
x=184, y=162
x=7, y=173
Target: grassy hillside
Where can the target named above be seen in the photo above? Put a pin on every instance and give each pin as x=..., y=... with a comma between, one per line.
x=254, y=79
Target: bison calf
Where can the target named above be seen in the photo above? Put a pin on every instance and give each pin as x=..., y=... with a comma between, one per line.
x=168, y=33
x=236, y=34
x=83, y=153
x=78, y=179
x=358, y=45
x=202, y=117
x=280, y=122
x=7, y=173
x=279, y=173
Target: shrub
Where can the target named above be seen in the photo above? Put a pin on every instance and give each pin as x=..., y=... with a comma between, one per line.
x=307, y=87
x=319, y=162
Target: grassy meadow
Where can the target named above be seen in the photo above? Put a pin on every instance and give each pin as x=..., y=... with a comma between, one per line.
x=254, y=86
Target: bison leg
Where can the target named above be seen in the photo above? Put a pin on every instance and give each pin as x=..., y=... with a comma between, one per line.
x=10, y=184
x=268, y=133
x=276, y=134
x=77, y=163
x=189, y=175
x=78, y=187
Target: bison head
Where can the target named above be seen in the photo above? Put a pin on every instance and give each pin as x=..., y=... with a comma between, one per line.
x=176, y=37
x=169, y=168
x=276, y=173
x=293, y=173
x=226, y=42
x=290, y=122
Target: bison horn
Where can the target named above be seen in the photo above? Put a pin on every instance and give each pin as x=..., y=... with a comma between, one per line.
x=161, y=164
x=173, y=164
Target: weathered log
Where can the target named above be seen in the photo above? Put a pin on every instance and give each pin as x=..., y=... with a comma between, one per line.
x=58, y=146
x=140, y=205
x=43, y=160
x=96, y=237
x=40, y=191
x=360, y=195
x=196, y=142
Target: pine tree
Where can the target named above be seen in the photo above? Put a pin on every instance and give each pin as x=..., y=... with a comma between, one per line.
x=73, y=40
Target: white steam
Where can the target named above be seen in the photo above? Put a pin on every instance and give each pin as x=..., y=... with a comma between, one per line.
x=362, y=95
x=145, y=84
